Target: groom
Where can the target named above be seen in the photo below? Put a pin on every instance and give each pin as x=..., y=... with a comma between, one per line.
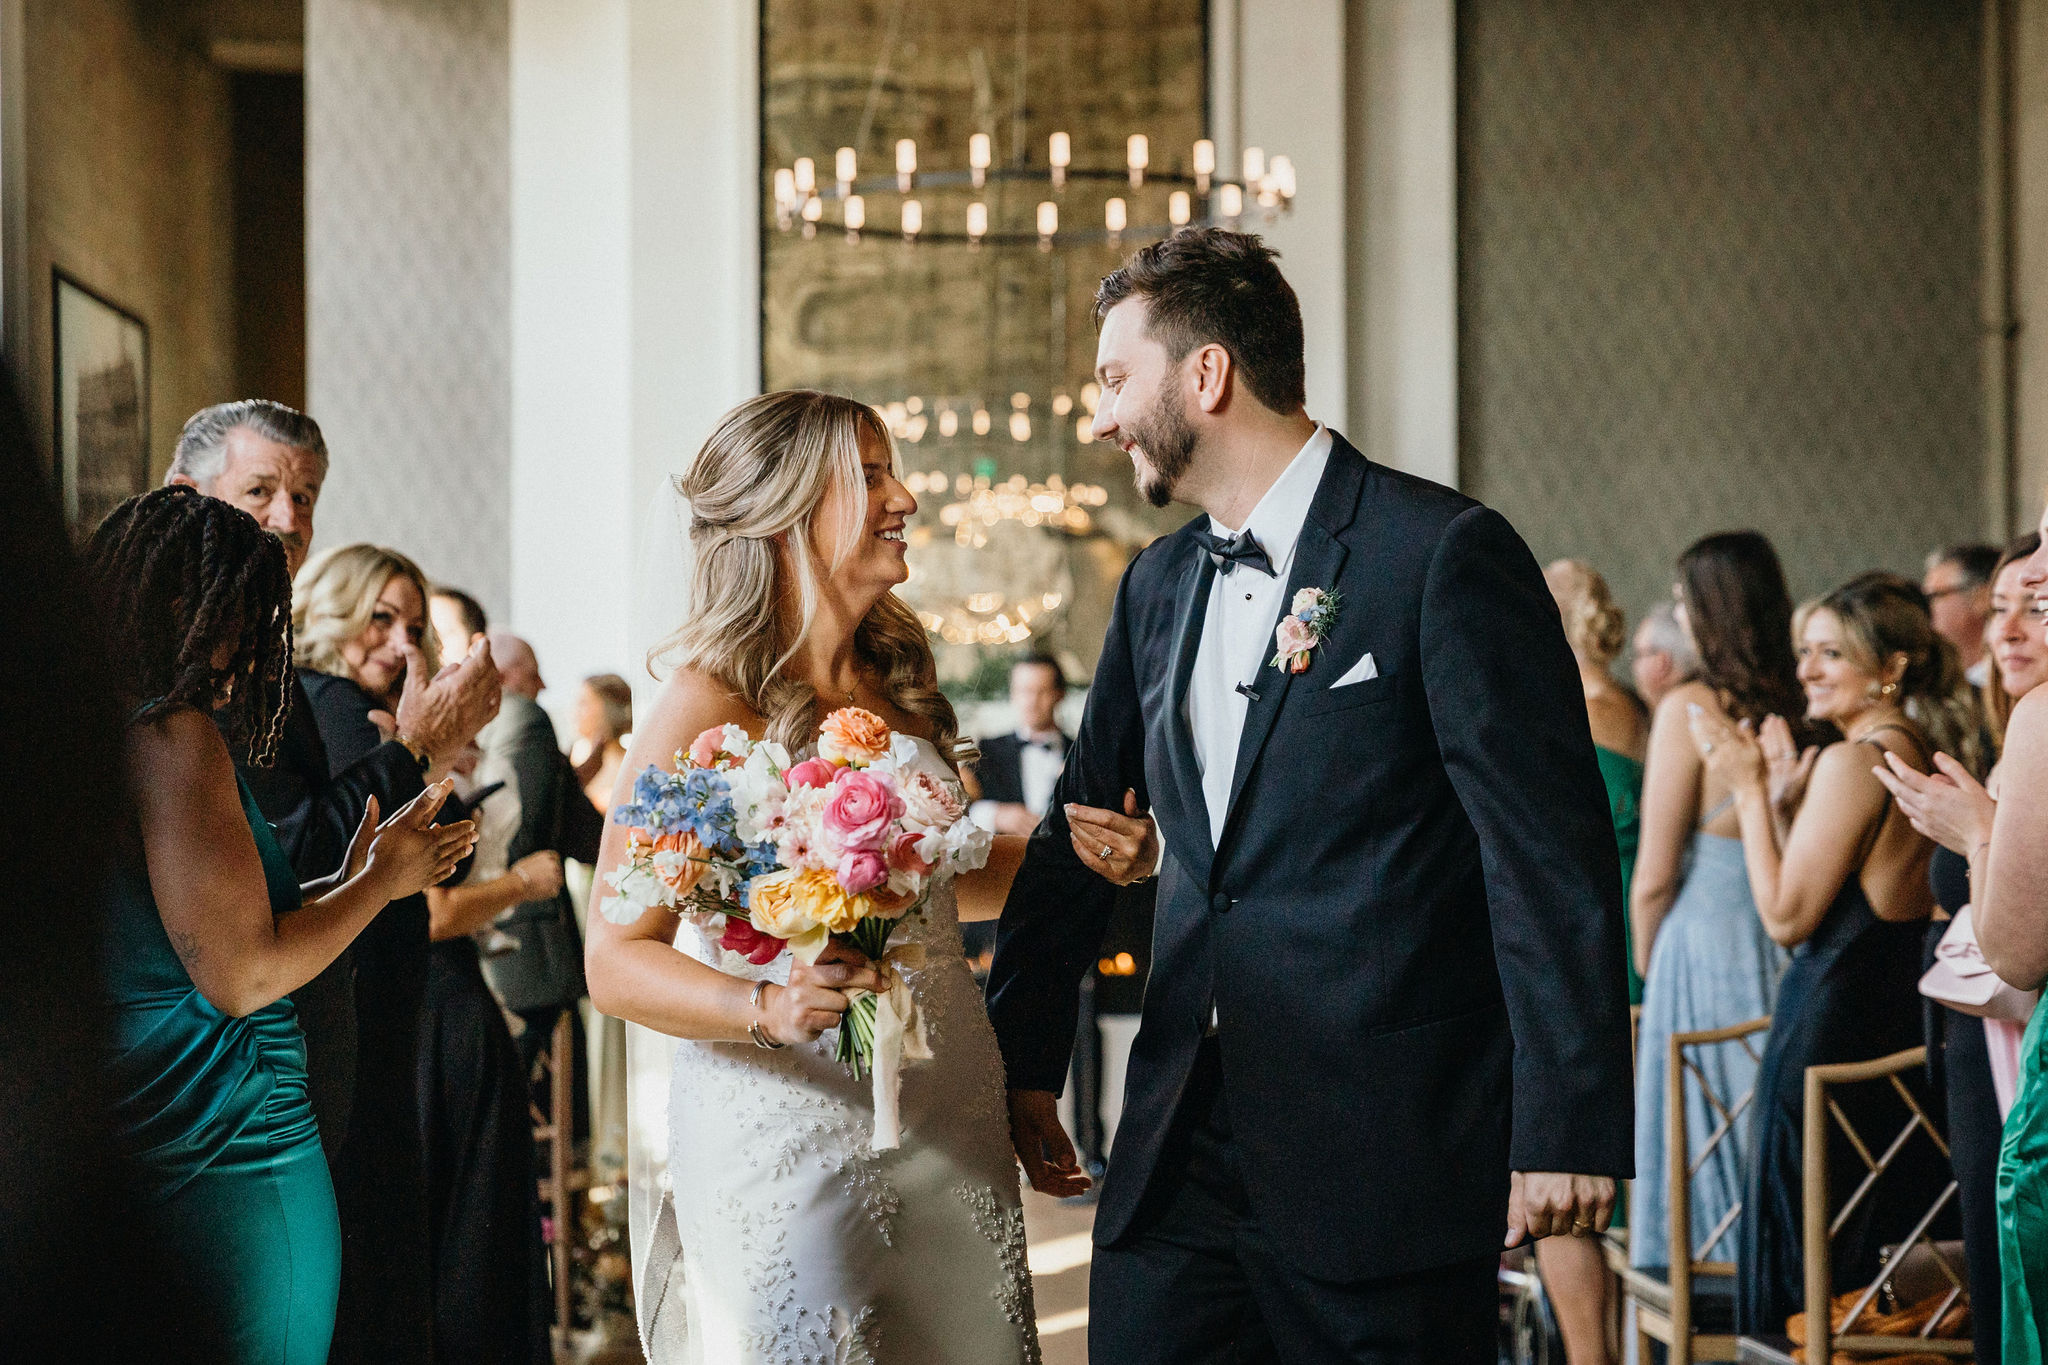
x=1388, y=961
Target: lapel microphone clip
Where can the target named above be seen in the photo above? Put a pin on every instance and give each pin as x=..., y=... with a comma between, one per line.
x=1247, y=691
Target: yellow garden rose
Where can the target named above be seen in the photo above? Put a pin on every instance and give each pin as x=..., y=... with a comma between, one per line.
x=818, y=898
x=805, y=907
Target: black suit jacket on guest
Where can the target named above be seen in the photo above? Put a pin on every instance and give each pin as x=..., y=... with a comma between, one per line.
x=1000, y=770
x=547, y=967
x=1411, y=928
x=315, y=812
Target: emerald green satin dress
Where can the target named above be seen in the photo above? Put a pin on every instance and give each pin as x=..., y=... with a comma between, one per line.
x=214, y=1112
x=2023, y=1204
x=1624, y=778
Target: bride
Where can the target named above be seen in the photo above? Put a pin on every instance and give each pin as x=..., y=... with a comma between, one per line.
x=785, y=1236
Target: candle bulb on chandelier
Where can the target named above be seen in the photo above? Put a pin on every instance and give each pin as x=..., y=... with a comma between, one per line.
x=814, y=209
x=1231, y=201
x=1254, y=166
x=1283, y=176
x=785, y=193
x=1060, y=151
x=844, y=168
x=1048, y=224
x=805, y=177
x=978, y=158
x=1114, y=217
x=1179, y=209
x=913, y=218
x=856, y=217
x=906, y=164
x=977, y=222
x=1205, y=164
x=1138, y=153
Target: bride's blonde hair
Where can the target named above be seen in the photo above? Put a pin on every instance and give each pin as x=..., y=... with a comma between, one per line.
x=758, y=486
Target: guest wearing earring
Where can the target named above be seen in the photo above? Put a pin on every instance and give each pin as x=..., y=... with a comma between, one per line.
x=211, y=930
x=1844, y=885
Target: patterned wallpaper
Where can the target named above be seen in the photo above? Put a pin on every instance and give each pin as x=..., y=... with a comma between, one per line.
x=408, y=239
x=1719, y=268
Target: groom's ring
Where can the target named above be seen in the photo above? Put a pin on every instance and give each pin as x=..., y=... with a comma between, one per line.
x=1105, y=853
x=1582, y=1226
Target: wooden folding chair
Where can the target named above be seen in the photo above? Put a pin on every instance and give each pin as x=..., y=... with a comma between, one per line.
x=1689, y=1303
x=1823, y=1337
x=556, y=1130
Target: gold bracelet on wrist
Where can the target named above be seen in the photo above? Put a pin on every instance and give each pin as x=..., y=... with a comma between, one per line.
x=419, y=755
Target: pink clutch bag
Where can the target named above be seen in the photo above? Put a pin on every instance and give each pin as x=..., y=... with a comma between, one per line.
x=1963, y=981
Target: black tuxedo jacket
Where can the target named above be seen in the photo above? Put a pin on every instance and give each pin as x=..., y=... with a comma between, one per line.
x=1000, y=770
x=315, y=812
x=1411, y=929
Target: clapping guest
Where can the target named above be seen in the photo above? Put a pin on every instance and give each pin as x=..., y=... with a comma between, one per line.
x=1956, y=813
x=1706, y=961
x=364, y=644
x=2007, y=869
x=1661, y=655
x=212, y=928
x=604, y=718
x=1841, y=882
x=1573, y=1270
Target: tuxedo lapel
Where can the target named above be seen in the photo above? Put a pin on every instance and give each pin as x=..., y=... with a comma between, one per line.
x=1193, y=590
x=1318, y=559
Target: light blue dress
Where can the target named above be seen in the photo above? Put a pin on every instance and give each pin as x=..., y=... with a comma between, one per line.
x=1711, y=966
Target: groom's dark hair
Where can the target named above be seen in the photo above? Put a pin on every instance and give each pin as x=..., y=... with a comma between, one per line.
x=1209, y=284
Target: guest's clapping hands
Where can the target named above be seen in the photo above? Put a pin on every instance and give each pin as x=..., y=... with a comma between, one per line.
x=1787, y=766
x=409, y=852
x=815, y=998
x=441, y=714
x=1950, y=806
x=1123, y=848
x=1730, y=751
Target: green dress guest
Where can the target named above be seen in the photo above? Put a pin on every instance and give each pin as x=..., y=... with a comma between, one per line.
x=1624, y=778
x=214, y=1109
x=209, y=932
x=2023, y=1204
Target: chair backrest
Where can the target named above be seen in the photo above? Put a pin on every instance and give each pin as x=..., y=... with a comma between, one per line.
x=1690, y=1258
x=1823, y=1336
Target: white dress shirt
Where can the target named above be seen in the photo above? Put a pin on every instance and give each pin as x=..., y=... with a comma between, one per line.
x=1039, y=765
x=1237, y=632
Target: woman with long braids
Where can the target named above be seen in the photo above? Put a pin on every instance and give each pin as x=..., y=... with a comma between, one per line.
x=1841, y=881
x=209, y=929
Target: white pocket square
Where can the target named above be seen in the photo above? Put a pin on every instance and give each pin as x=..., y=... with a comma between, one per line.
x=1363, y=671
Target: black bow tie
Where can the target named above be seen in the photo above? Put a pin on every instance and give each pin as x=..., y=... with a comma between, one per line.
x=1242, y=548
x=1051, y=746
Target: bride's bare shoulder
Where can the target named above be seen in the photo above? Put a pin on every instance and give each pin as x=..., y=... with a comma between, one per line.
x=689, y=702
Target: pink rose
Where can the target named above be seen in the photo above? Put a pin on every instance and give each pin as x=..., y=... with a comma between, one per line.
x=704, y=748
x=812, y=772
x=861, y=870
x=903, y=853
x=1294, y=636
x=860, y=809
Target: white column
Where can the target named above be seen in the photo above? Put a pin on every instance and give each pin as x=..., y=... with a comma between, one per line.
x=1404, y=234
x=2029, y=255
x=1290, y=99
x=635, y=317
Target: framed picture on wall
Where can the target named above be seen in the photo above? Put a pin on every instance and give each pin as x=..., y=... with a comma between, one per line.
x=102, y=354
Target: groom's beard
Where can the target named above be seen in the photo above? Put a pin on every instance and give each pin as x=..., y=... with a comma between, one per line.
x=1168, y=443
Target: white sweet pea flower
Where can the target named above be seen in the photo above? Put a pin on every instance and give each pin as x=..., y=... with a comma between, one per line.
x=967, y=846
x=639, y=890
x=735, y=742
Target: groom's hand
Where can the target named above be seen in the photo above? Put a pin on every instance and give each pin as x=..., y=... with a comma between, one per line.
x=1547, y=1204
x=1043, y=1146
x=1121, y=848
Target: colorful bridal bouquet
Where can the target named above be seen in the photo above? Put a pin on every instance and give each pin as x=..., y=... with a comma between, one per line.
x=784, y=856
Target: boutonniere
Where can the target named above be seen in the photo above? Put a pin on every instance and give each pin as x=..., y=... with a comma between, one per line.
x=1310, y=618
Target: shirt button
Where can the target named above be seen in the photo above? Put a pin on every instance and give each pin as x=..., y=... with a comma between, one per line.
x=1220, y=902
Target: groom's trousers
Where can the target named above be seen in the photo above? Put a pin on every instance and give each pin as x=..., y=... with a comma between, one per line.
x=1197, y=1279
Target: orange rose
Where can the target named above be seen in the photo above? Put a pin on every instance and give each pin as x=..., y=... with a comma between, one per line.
x=680, y=870
x=851, y=735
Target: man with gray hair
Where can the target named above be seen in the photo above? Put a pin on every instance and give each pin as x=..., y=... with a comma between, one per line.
x=1662, y=655
x=271, y=460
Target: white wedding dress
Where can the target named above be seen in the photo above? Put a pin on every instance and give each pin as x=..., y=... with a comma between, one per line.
x=781, y=1237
